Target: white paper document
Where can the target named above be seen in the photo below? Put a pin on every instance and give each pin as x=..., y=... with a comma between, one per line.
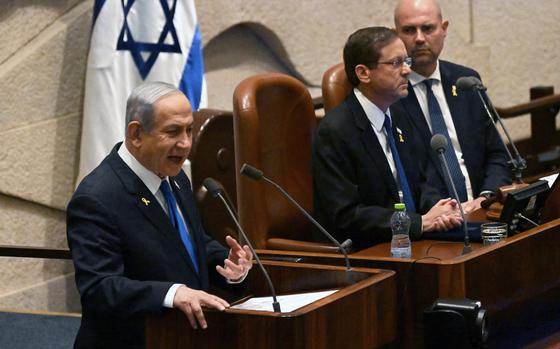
x=550, y=179
x=288, y=303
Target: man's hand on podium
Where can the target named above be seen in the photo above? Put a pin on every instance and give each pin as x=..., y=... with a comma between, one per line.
x=191, y=301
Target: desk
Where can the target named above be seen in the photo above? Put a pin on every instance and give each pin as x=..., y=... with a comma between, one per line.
x=510, y=278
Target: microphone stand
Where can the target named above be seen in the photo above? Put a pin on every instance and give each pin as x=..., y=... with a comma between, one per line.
x=275, y=303
x=257, y=175
x=517, y=163
x=467, y=246
x=212, y=186
x=329, y=236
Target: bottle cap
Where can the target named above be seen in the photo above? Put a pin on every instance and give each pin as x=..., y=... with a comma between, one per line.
x=399, y=206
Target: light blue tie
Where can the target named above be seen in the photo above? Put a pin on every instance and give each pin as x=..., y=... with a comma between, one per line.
x=178, y=222
x=401, y=174
x=439, y=126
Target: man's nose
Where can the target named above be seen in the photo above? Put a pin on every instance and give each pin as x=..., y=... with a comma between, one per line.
x=185, y=141
x=420, y=38
x=405, y=71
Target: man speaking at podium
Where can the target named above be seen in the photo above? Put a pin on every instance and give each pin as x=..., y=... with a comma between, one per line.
x=135, y=235
x=364, y=160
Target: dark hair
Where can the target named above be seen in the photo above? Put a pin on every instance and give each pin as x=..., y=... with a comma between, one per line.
x=363, y=47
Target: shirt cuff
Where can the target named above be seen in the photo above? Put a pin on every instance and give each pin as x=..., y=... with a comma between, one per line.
x=170, y=296
x=486, y=194
x=238, y=281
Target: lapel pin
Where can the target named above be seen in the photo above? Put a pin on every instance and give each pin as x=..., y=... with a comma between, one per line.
x=145, y=201
x=401, y=139
x=454, y=90
x=177, y=185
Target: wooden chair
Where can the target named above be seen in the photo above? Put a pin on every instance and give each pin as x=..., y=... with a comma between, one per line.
x=274, y=122
x=335, y=86
x=213, y=155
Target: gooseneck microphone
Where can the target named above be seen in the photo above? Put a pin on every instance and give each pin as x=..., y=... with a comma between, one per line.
x=472, y=83
x=439, y=145
x=257, y=175
x=216, y=191
x=469, y=83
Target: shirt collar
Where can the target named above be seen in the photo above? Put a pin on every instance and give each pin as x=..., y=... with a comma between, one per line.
x=416, y=78
x=375, y=115
x=150, y=179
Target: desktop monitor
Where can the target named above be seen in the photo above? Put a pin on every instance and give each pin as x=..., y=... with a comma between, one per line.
x=523, y=206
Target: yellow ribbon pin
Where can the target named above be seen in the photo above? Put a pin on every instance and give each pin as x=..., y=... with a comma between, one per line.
x=401, y=139
x=454, y=90
x=145, y=201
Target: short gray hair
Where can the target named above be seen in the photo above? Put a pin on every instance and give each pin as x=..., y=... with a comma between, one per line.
x=140, y=103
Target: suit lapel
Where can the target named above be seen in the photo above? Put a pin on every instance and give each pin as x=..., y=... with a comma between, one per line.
x=372, y=146
x=455, y=102
x=148, y=205
x=400, y=134
x=412, y=107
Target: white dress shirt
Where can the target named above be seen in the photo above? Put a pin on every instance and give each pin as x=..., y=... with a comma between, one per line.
x=416, y=80
x=376, y=118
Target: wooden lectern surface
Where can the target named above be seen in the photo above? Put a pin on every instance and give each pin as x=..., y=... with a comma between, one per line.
x=506, y=277
x=359, y=315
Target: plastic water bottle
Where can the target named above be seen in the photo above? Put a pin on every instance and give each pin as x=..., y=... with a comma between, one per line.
x=400, y=225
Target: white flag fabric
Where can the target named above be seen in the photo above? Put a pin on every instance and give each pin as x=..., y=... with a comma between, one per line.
x=134, y=41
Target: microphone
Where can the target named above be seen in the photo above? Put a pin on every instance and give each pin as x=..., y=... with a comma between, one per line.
x=257, y=175
x=472, y=83
x=216, y=191
x=439, y=145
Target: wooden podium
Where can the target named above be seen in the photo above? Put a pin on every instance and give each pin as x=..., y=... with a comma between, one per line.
x=358, y=315
x=511, y=278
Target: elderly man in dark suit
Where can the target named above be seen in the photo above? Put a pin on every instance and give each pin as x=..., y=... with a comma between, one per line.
x=476, y=157
x=136, y=238
x=364, y=160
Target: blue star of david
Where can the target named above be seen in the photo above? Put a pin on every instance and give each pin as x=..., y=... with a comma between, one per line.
x=136, y=47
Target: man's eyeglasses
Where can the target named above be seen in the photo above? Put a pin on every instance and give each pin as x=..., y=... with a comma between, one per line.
x=398, y=62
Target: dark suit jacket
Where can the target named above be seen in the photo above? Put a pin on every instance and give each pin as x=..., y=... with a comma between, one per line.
x=127, y=254
x=353, y=188
x=484, y=154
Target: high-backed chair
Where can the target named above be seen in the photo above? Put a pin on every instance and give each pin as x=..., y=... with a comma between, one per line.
x=335, y=86
x=213, y=155
x=274, y=123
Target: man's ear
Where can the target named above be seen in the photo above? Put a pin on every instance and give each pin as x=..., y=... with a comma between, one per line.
x=363, y=73
x=134, y=133
x=444, y=25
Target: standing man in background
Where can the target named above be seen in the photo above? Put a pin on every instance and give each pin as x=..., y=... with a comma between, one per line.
x=476, y=155
x=364, y=157
x=135, y=235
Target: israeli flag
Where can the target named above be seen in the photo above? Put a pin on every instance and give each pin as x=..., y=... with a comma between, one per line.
x=134, y=41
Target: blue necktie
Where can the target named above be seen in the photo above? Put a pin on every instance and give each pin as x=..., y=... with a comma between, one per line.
x=401, y=174
x=439, y=126
x=178, y=222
